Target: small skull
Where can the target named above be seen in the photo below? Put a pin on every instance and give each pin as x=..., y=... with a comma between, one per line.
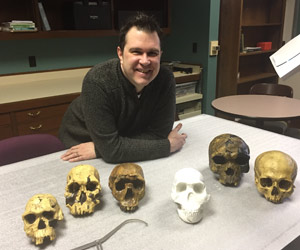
x=189, y=193
x=275, y=173
x=127, y=184
x=229, y=158
x=83, y=189
x=40, y=217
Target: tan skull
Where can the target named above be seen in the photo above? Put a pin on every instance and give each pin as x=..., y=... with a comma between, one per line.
x=229, y=158
x=275, y=173
x=83, y=189
x=40, y=217
x=127, y=184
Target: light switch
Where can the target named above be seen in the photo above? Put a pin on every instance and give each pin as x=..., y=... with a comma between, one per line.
x=214, y=48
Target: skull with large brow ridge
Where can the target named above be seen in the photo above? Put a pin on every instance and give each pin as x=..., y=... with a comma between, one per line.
x=40, y=217
x=127, y=184
x=83, y=189
x=229, y=158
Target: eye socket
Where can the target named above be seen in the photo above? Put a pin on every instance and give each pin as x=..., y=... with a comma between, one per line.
x=242, y=159
x=266, y=182
x=284, y=184
x=30, y=218
x=181, y=187
x=120, y=185
x=137, y=184
x=91, y=186
x=48, y=215
x=74, y=187
x=218, y=159
x=198, y=188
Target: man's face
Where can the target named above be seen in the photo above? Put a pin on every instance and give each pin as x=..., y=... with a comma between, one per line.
x=140, y=59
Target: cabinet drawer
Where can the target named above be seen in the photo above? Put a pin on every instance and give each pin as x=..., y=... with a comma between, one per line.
x=5, y=127
x=5, y=119
x=48, y=125
x=33, y=115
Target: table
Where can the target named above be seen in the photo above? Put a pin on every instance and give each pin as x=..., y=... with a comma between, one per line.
x=235, y=217
x=258, y=107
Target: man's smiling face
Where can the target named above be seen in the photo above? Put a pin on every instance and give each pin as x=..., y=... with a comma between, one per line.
x=140, y=59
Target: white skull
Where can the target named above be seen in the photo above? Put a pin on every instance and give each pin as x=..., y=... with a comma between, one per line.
x=189, y=193
x=83, y=189
x=41, y=214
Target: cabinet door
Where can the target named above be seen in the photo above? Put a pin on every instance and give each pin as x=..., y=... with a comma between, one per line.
x=5, y=127
x=40, y=120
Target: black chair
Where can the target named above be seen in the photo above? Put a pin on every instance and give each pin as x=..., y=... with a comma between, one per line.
x=25, y=147
x=270, y=89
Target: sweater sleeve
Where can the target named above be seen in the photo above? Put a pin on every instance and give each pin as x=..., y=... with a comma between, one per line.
x=101, y=122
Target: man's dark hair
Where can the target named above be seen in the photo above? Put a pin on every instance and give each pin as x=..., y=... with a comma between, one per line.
x=142, y=22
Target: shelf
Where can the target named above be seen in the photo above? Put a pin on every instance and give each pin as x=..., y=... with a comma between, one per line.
x=61, y=34
x=56, y=34
x=245, y=23
x=256, y=77
x=61, y=17
x=260, y=25
x=190, y=114
x=188, y=98
x=271, y=51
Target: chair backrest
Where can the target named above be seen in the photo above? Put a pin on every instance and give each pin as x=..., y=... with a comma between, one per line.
x=24, y=147
x=272, y=89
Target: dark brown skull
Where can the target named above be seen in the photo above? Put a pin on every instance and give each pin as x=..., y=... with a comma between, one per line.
x=127, y=184
x=229, y=158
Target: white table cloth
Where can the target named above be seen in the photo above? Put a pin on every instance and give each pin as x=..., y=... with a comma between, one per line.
x=235, y=218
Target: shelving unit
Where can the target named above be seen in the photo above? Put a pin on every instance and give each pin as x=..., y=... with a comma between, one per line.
x=190, y=103
x=60, y=17
x=255, y=21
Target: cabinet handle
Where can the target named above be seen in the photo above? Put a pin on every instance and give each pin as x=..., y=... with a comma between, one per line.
x=33, y=114
x=36, y=128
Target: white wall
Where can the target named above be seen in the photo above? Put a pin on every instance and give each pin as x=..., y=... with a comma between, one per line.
x=292, y=79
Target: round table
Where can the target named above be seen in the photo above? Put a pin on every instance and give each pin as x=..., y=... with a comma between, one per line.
x=258, y=107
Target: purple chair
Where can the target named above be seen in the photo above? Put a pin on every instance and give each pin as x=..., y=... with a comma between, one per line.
x=24, y=147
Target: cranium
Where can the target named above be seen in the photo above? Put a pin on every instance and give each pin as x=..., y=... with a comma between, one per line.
x=83, y=189
x=189, y=193
x=127, y=184
x=229, y=158
x=275, y=173
x=40, y=217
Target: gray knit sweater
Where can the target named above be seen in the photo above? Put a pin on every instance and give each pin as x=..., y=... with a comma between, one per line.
x=123, y=127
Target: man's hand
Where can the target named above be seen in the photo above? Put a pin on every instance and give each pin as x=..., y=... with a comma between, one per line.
x=83, y=151
x=176, y=139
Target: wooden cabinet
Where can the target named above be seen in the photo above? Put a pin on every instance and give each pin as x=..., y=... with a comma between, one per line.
x=5, y=126
x=41, y=115
x=244, y=23
x=60, y=16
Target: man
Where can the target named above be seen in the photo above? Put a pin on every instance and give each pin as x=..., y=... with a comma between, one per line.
x=126, y=109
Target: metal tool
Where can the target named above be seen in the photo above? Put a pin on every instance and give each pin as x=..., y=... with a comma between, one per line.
x=98, y=243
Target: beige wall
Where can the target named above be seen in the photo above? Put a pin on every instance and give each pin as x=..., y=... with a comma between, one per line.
x=292, y=79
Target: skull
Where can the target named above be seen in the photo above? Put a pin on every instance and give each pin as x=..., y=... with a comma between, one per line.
x=83, y=189
x=229, y=158
x=40, y=217
x=127, y=184
x=275, y=173
x=189, y=193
